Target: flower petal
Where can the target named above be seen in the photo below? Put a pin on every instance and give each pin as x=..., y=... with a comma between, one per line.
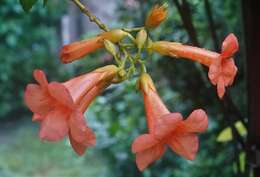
x=54, y=126
x=166, y=124
x=229, y=71
x=40, y=77
x=221, y=87
x=37, y=117
x=78, y=148
x=36, y=99
x=143, y=142
x=79, y=130
x=197, y=122
x=80, y=85
x=215, y=71
x=229, y=46
x=61, y=94
x=185, y=145
x=146, y=157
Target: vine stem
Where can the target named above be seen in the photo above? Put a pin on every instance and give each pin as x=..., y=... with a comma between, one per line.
x=91, y=17
x=84, y=9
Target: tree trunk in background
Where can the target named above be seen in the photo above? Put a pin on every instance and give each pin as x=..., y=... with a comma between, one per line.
x=251, y=14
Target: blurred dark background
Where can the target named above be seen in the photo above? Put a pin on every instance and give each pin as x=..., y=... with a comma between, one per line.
x=32, y=40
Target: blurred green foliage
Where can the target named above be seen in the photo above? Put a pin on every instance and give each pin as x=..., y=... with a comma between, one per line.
x=28, y=41
x=32, y=41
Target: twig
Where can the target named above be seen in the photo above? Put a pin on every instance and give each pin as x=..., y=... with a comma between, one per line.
x=185, y=14
x=91, y=17
x=211, y=24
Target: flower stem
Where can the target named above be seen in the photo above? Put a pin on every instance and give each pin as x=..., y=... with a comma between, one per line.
x=91, y=17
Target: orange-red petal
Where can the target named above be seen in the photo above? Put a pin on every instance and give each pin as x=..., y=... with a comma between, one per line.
x=197, y=122
x=77, y=147
x=166, y=124
x=54, y=126
x=79, y=130
x=36, y=99
x=61, y=94
x=40, y=77
x=229, y=46
x=143, y=142
x=37, y=117
x=146, y=157
x=221, y=87
x=229, y=71
x=185, y=145
x=80, y=85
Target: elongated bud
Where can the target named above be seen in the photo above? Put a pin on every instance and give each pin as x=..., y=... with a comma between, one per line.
x=141, y=38
x=114, y=36
x=166, y=48
x=156, y=16
x=110, y=47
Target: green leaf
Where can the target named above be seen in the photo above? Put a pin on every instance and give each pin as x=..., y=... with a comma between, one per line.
x=241, y=128
x=242, y=160
x=226, y=134
x=27, y=4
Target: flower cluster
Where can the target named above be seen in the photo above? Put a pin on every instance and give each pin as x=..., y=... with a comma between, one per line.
x=60, y=107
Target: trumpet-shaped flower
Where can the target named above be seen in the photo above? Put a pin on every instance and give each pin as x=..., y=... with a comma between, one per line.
x=166, y=129
x=222, y=68
x=59, y=107
x=77, y=50
x=156, y=16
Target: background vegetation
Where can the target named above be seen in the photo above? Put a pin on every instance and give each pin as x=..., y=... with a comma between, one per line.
x=32, y=40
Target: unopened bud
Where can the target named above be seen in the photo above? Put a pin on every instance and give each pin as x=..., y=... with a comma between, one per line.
x=156, y=16
x=114, y=36
x=141, y=38
x=111, y=48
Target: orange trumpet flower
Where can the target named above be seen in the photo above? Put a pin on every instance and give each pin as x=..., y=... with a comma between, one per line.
x=76, y=50
x=59, y=107
x=222, y=68
x=166, y=128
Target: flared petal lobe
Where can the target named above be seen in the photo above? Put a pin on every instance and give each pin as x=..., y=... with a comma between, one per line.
x=222, y=74
x=229, y=46
x=37, y=100
x=143, y=142
x=148, y=156
x=54, y=126
x=185, y=145
x=167, y=124
x=197, y=122
x=77, y=147
x=79, y=130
